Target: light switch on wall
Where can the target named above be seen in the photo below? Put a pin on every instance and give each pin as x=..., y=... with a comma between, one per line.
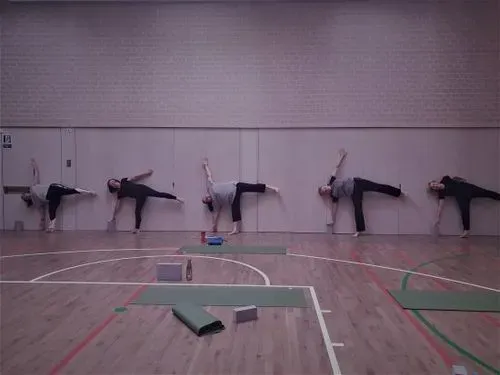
x=68, y=163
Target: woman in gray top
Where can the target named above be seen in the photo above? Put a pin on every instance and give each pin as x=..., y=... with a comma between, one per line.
x=222, y=194
x=41, y=196
x=353, y=188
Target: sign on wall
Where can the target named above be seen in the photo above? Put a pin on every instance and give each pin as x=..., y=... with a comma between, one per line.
x=6, y=140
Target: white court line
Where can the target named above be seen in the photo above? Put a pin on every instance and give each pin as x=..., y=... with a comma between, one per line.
x=324, y=331
x=89, y=251
x=396, y=270
x=288, y=254
x=262, y=274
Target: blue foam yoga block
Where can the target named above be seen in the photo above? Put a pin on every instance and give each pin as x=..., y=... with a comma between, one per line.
x=215, y=240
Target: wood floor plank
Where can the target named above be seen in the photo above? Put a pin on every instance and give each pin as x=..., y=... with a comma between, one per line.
x=163, y=342
x=42, y=323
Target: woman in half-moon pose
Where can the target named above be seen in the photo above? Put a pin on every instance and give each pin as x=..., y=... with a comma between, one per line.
x=129, y=188
x=42, y=196
x=355, y=189
x=463, y=192
x=221, y=194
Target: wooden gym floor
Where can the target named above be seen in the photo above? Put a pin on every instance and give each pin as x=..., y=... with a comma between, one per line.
x=64, y=321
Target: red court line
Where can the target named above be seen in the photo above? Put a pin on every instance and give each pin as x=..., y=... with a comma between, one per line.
x=491, y=319
x=93, y=334
x=404, y=257
x=77, y=349
x=440, y=350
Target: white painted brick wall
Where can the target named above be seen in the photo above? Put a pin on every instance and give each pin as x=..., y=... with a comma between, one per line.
x=393, y=63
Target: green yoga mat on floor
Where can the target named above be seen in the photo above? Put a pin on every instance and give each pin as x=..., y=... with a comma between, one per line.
x=222, y=296
x=197, y=319
x=447, y=301
x=232, y=249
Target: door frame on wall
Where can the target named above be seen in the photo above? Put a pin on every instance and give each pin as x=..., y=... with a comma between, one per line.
x=2, y=182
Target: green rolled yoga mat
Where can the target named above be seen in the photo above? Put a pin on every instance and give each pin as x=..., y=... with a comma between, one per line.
x=198, y=320
x=222, y=296
x=232, y=249
x=447, y=301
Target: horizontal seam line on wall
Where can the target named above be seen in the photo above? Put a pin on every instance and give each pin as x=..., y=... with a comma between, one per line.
x=256, y=128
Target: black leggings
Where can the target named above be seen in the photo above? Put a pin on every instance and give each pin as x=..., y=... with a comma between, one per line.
x=361, y=186
x=54, y=195
x=242, y=187
x=464, y=201
x=140, y=201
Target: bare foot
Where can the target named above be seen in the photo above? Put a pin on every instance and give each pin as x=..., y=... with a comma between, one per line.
x=86, y=192
x=356, y=234
x=52, y=226
x=465, y=234
x=403, y=193
x=136, y=231
x=234, y=232
x=273, y=188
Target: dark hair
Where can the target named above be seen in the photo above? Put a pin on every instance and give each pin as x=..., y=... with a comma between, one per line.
x=112, y=189
x=210, y=206
x=28, y=200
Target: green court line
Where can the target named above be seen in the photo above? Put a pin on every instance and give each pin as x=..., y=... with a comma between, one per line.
x=432, y=327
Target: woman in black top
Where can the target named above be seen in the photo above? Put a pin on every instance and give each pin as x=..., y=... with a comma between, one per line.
x=463, y=192
x=128, y=188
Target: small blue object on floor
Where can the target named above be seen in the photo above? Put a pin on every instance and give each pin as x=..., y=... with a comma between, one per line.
x=215, y=240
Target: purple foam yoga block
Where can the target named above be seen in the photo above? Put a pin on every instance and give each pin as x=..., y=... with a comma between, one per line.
x=169, y=272
x=245, y=314
x=458, y=370
x=111, y=226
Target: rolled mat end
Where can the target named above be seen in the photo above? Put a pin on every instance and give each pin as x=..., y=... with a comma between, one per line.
x=197, y=319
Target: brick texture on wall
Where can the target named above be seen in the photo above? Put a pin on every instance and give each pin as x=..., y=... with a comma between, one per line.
x=339, y=64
